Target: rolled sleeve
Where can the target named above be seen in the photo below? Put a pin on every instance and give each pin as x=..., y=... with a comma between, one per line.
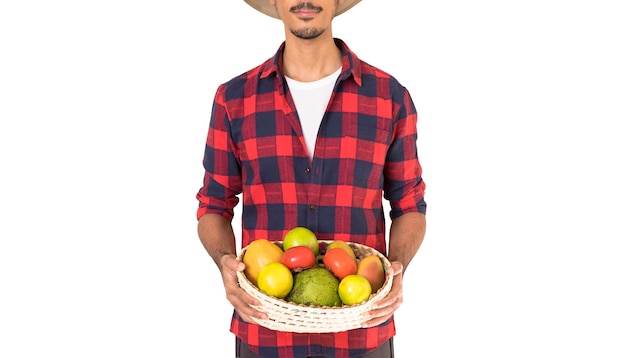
x=404, y=187
x=222, y=177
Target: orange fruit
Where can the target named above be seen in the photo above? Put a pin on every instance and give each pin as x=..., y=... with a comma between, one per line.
x=258, y=254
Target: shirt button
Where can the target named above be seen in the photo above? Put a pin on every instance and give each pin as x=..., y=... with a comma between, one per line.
x=307, y=170
x=313, y=207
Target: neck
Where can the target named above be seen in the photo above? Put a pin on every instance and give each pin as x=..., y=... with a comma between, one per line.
x=310, y=60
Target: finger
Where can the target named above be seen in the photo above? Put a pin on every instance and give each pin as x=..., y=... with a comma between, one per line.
x=248, y=313
x=252, y=318
x=385, y=306
x=247, y=299
x=394, y=295
x=244, y=302
x=375, y=321
x=247, y=307
x=382, y=314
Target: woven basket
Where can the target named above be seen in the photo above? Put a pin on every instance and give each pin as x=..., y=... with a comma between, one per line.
x=290, y=317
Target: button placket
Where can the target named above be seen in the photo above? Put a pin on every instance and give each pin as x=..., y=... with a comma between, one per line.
x=313, y=173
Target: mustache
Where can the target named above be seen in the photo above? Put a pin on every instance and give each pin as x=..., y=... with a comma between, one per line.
x=305, y=6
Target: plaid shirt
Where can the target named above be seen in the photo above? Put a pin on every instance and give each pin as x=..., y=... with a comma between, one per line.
x=365, y=150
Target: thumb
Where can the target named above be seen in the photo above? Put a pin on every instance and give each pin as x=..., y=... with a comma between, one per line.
x=396, y=268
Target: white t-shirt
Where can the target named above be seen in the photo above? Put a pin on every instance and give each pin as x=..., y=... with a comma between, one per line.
x=311, y=99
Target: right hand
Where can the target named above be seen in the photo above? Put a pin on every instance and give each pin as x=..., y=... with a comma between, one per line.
x=240, y=299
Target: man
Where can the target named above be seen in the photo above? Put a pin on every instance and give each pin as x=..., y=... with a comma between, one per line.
x=313, y=137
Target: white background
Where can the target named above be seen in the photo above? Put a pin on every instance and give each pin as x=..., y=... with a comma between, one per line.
x=104, y=107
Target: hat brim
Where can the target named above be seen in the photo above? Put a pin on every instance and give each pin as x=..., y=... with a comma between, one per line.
x=269, y=10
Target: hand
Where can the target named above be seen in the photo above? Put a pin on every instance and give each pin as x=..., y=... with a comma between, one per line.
x=239, y=298
x=384, y=309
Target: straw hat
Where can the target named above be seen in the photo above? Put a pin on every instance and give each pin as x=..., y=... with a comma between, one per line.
x=269, y=10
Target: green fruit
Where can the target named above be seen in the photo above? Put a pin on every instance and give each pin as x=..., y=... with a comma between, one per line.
x=316, y=286
x=301, y=236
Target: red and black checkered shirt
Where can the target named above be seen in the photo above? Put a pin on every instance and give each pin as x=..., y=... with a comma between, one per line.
x=365, y=151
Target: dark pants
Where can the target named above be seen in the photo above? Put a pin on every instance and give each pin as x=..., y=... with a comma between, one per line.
x=384, y=351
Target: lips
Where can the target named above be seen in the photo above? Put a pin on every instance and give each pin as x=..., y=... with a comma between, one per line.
x=306, y=13
x=305, y=9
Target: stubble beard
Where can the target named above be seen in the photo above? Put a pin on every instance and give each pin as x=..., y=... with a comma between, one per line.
x=307, y=33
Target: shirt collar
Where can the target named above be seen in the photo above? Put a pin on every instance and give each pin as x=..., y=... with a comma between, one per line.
x=351, y=66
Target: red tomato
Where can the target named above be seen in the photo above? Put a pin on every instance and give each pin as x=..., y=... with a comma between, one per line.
x=339, y=262
x=298, y=258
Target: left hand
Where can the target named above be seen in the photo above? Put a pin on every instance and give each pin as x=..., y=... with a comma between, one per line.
x=384, y=309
